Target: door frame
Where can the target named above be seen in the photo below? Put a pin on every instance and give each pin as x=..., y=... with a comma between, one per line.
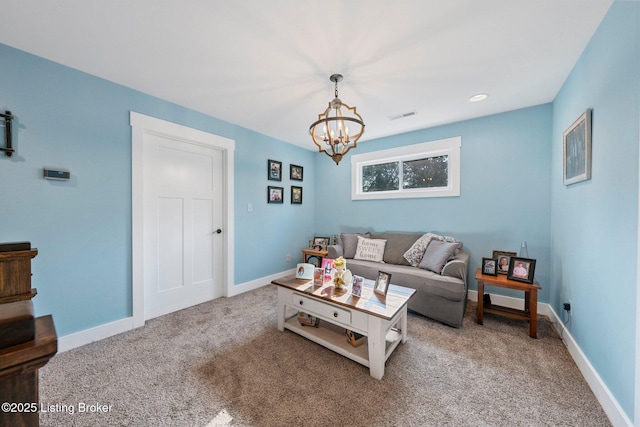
x=141, y=125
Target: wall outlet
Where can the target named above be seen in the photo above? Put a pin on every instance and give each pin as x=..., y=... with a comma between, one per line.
x=288, y=258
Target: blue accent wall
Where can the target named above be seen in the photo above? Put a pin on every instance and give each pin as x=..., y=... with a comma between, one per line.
x=504, y=197
x=594, y=224
x=82, y=228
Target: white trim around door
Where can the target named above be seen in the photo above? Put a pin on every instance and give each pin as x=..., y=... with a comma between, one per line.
x=141, y=125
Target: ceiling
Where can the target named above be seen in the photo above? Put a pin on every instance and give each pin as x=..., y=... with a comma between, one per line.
x=265, y=65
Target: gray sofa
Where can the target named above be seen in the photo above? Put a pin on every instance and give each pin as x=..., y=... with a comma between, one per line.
x=441, y=296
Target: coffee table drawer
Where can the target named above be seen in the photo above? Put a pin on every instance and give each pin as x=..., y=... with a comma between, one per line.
x=318, y=308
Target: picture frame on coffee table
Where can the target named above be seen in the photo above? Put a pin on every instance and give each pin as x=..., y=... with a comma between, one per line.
x=382, y=283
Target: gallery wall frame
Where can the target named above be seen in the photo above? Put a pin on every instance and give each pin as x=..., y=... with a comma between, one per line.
x=576, y=150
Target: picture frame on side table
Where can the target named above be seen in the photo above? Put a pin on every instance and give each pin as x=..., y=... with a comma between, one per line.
x=323, y=242
x=502, y=257
x=521, y=269
x=382, y=283
x=490, y=266
x=296, y=172
x=296, y=195
x=274, y=170
x=275, y=194
x=576, y=150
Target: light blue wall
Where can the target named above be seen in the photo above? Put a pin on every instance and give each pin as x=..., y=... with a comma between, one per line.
x=594, y=223
x=505, y=179
x=82, y=228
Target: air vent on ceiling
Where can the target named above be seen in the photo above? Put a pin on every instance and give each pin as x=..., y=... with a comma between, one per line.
x=403, y=115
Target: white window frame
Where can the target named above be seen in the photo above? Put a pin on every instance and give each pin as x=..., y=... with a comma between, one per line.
x=443, y=147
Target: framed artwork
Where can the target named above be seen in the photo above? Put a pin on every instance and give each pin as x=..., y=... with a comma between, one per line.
x=274, y=194
x=489, y=266
x=274, y=170
x=382, y=283
x=502, y=258
x=323, y=242
x=327, y=266
x=295, y=172
x=296, y=195
x=356, y=288
x=576, y=144
x=521, y=269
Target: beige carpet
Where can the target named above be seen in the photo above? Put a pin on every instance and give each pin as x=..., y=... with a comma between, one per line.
x=225, y=363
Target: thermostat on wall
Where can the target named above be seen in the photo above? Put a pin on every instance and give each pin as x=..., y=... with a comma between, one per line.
x=59, y=174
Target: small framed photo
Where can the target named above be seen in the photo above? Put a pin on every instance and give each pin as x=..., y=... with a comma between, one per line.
x=318, y=276
x=576, y=143
x=327, y=266
x=296, y=195
x=323, y=242
x=356, y=288
x=295, y=172
x=502, y=258
x=489, y=266
x=305, y=271
x=274, y=194
x=274, y=170
x=521, y=269
x=382, y=283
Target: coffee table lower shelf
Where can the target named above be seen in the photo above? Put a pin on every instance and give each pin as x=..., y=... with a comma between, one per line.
x=333, y=337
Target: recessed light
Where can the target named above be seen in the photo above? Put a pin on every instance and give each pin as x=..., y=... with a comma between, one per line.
x=479, y=97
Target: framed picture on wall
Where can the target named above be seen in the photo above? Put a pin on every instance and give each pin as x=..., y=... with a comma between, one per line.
x=295, y=172
x=296, y=195
x=576, y=146
x=274, y=194
x=274, y=170
x=502, y=258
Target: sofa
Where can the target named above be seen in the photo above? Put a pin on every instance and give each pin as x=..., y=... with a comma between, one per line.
x=435, y=266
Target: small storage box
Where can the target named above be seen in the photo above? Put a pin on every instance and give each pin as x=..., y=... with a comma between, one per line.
x=354, y=338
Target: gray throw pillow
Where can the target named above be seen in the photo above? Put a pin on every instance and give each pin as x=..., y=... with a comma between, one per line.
x=397, y=245
x=350, y=243
x=437, y=254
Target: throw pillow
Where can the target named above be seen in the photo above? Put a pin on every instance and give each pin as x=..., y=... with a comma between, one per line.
x=416, y=252
x=437, y=254
x=397, y=244
x=350, y=243
x=370, y=249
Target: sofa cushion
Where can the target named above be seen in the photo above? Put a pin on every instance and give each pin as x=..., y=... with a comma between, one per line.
x=397, y=245
x=416, y=252
x=437, y=254
x=350, y=243
x=370, y=249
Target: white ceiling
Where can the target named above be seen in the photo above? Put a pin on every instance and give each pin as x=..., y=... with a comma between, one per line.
x=265, y=65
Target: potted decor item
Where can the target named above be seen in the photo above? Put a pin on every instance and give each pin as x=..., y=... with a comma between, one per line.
x=340, y=275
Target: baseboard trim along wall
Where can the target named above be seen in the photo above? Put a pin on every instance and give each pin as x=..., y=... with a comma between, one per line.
x=608, y=402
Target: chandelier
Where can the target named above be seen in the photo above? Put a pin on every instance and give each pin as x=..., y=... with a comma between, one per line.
x=331, y=131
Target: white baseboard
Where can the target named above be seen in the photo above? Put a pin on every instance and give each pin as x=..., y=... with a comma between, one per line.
x=78, y=339
x=608, y=402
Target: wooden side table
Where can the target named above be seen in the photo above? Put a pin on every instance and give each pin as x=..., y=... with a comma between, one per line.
x=309, y=253
x=530, y=312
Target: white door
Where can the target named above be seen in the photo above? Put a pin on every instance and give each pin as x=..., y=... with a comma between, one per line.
x=183, y=223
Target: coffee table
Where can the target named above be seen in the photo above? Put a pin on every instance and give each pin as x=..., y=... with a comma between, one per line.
x=382, y=319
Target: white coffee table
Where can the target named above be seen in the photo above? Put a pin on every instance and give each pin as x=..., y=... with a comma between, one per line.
x=382, y=319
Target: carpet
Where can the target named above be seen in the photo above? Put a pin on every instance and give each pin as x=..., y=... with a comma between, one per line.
x=224, y=363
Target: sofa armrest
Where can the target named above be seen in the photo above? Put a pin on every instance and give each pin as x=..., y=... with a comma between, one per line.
x=457, y=267
x=334, y=251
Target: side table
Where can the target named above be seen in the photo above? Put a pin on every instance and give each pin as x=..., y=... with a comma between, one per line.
x=530, y=312
x=309, y=253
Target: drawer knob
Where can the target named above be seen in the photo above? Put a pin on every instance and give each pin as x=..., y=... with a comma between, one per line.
x=301, y=302
x=335, y=314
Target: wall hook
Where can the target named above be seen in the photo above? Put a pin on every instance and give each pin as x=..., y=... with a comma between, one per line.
x=8, y=150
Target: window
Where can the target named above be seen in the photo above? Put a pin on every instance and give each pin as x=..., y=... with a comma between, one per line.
x=430, y=169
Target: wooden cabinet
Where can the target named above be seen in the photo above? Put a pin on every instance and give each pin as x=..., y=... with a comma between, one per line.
x=27, y=344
